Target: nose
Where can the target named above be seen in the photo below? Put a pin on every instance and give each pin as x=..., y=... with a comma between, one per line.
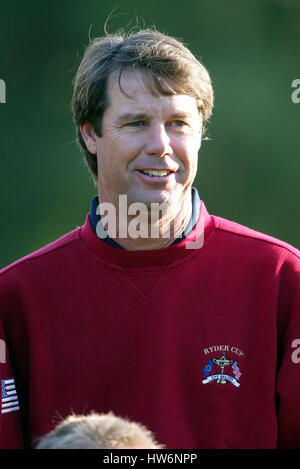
x=158, y=141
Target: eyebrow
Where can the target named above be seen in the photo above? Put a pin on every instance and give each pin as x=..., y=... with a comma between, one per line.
x=128, y=116
x=181, y=115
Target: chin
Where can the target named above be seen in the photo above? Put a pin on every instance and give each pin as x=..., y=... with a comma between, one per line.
x=147, y=200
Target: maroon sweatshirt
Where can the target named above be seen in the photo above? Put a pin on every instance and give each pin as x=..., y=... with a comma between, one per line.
x=200, y=345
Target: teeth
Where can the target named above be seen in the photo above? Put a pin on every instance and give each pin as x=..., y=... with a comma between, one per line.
x=154, y=172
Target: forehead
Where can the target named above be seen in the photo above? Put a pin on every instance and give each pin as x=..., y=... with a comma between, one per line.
x=135, y=90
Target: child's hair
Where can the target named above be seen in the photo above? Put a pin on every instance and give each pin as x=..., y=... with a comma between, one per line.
x=98, y=431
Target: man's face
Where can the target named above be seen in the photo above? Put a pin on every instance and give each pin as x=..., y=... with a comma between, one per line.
x=149, y=144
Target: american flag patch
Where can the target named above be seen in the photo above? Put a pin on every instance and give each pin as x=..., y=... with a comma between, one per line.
x=9, y=398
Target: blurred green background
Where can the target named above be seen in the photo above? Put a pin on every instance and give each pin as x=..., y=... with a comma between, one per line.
x=248, y=170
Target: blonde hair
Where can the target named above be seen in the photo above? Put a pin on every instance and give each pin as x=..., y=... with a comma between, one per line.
x=168, y=68
x=98, y=431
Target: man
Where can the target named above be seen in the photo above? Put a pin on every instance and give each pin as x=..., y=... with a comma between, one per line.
x=185, y=322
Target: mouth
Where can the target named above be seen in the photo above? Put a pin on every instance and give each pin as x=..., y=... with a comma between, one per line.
x=156, y=173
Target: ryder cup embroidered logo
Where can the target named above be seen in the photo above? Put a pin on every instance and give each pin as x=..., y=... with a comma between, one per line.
x=222, y=368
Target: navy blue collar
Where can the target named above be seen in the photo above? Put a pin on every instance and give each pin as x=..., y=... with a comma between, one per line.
x=95, y=219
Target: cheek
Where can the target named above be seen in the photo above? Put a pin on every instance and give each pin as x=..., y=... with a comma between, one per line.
x=113, y=162
x=120, y=149
x=188, y=152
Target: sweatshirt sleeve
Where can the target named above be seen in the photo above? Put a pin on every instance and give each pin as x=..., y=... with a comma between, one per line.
x=10, y=422
x=288, y=378
x=11, y=435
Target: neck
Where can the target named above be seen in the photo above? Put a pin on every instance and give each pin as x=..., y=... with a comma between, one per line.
x=149, y=230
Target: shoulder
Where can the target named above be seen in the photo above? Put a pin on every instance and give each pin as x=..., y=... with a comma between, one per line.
x=244, y=239
x=49, y=253
x=38, y=276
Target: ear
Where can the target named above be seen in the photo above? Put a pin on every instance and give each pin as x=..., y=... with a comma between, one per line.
x=89, y=136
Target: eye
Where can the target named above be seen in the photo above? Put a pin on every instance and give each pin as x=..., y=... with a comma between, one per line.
x=179, y=124
x=137, y=124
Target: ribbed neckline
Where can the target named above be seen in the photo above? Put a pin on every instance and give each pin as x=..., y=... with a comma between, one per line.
x=153, y=258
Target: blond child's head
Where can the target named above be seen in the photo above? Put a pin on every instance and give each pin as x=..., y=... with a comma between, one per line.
x=98, y=431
